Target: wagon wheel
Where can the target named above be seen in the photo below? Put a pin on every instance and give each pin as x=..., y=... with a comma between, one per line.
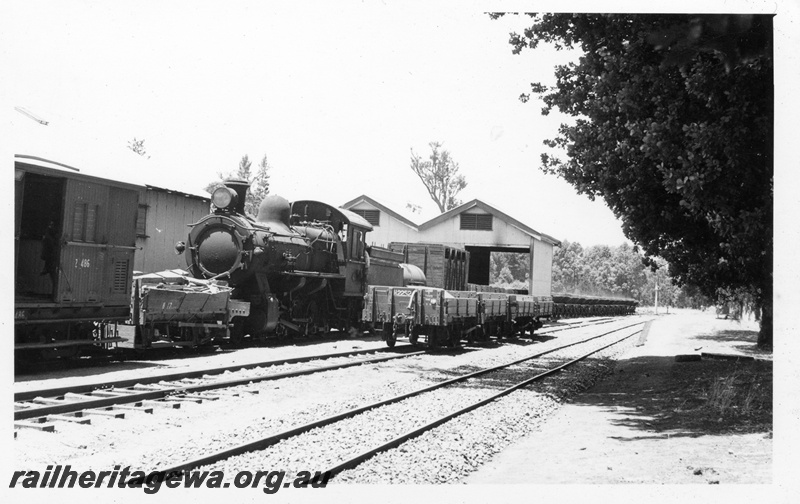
x=391, y=336
x=413, y=335
x=433, y=337
x=454, y=337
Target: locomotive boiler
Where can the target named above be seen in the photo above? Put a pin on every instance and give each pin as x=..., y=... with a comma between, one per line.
x=301, y=266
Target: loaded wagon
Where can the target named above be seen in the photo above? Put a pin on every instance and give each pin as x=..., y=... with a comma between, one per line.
x=172, y=309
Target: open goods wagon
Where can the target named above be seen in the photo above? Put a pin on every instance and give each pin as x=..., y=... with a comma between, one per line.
x=573, y=305
x=171, y=309
x=446, y=317
x=435, y=314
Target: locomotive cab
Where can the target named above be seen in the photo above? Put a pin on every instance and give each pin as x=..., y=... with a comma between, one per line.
x=350, y=230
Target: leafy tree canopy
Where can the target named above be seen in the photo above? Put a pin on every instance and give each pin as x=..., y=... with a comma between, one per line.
x=439, y=174
x=259, y=182
x=138, y=147
x=602, y=270
x=673, y=129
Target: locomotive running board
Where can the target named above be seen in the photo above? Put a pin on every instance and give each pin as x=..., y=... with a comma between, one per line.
x=314, y=274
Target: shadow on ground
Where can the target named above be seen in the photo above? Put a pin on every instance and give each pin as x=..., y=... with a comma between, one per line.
x=663, y=398
x=744, y=342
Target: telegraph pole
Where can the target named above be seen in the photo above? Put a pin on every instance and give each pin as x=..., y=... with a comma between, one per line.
x=656, y=294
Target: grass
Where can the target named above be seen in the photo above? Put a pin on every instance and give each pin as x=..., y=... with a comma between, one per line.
x=708, y=397
x=737, y=393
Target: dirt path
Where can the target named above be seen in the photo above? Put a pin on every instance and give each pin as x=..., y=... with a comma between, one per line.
x=652, y=421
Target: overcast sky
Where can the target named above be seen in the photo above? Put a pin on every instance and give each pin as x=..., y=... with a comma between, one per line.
x=336, y=94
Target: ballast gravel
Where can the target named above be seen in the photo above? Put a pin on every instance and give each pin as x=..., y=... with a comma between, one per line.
x=446, y=454
x=443, y=455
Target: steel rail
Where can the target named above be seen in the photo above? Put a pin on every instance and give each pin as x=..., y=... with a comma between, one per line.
x=268, y=441
x=127, y=397
x=78, y=389
x=578, y=325
x=358, y=459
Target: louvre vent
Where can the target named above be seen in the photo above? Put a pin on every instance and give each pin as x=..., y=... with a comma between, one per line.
x=120, y=282
x=371, y=216
x=479, y=222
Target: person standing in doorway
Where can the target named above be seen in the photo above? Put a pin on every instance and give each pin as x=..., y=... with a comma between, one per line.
x=50, y=255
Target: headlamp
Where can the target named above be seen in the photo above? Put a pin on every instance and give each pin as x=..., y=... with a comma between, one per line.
x=224, y=198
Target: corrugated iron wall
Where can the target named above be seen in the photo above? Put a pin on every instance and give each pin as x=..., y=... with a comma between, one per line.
x=168, y=217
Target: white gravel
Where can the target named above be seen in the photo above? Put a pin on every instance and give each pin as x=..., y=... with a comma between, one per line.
x=147, y=442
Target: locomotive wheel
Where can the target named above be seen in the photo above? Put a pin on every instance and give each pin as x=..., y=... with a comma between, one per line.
x=310, y=328
x=391, y=337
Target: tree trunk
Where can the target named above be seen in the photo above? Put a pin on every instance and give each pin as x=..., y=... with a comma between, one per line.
x=765, y=334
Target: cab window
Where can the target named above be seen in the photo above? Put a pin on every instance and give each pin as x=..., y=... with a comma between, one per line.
x=357, y=244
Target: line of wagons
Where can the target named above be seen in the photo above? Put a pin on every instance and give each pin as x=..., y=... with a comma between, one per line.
x=172, y=309
x=447, y=317
x=75, y=240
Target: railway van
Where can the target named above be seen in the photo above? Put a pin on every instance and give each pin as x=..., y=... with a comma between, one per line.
x=74, y=244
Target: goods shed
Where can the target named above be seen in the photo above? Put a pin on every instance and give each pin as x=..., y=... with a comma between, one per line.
x=476, y=227
x=162, y=220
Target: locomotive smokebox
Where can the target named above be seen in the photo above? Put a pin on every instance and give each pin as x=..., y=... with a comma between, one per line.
x=274, y=210
x=240, y=186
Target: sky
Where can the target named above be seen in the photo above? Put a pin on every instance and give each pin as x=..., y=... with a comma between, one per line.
x=335, y=94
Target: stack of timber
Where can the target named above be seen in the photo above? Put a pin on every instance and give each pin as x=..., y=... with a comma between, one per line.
x=444, y=267
x=489, y=288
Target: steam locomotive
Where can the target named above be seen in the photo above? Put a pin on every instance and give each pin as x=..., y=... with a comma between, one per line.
x=302, y=266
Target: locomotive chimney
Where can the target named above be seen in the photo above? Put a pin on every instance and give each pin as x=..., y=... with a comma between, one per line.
x=240, y=186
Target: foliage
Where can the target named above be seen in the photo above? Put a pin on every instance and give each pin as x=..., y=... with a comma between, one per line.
x=672, y=128
x=137, y=146
x=600, y=270
x=507, y=267
x=439, y=174
x=259, y=182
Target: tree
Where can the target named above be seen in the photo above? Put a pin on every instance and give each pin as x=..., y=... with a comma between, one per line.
x=259, y=185
x=439, y=175
x=567, y=267
x=259, y=182
x=509, y=268
x=137, y=146
x=673, y=129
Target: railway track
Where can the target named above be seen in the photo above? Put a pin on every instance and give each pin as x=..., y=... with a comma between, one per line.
x=326, y=429
x=41, y=409
x=563, y=326
x=38, y=408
